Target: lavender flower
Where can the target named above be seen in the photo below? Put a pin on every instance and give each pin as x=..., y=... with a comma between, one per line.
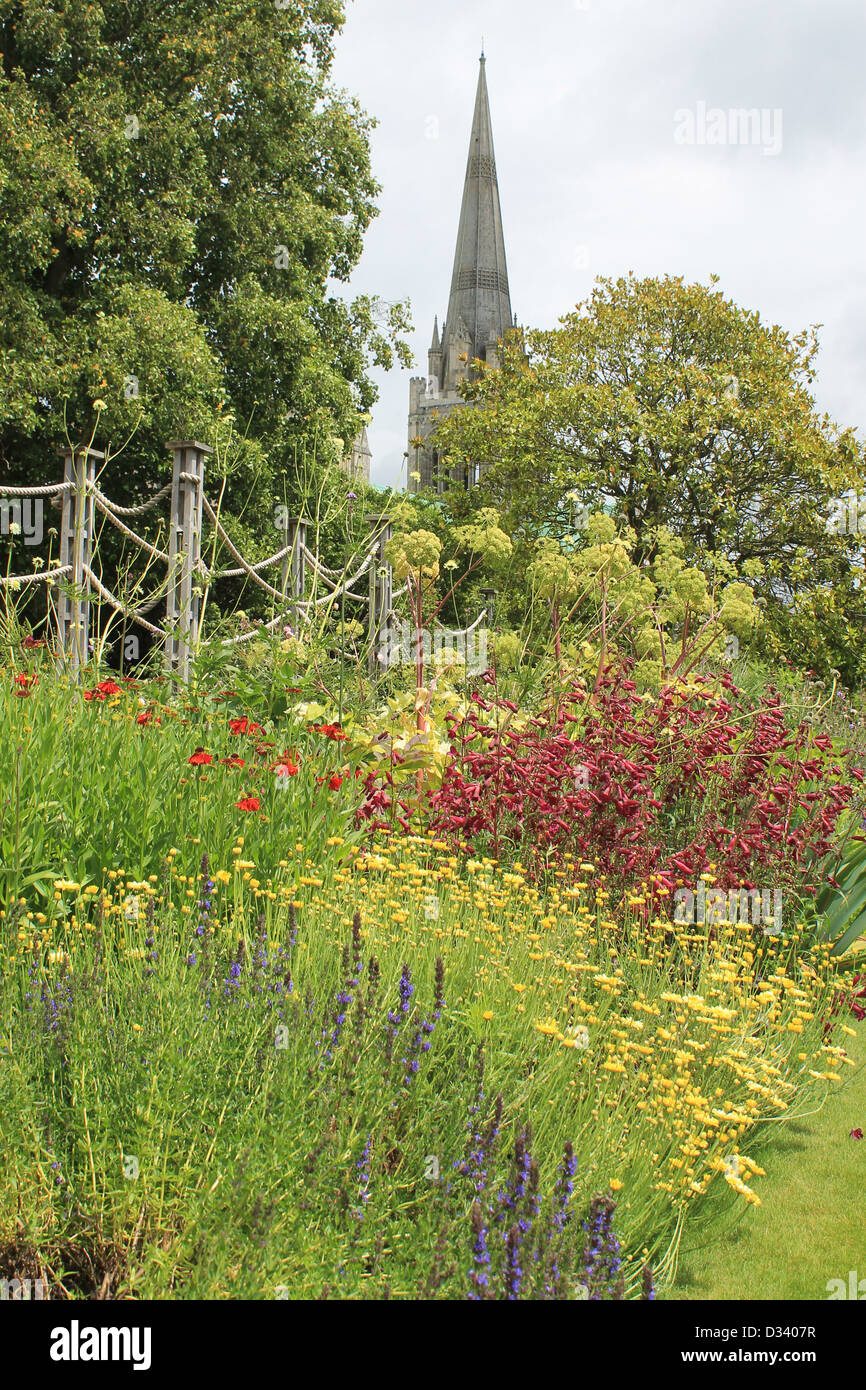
x=363, y=1167
x=564, y=1187
x=478, y=1276
x=601, y=1258
x=513, y=1270
x=204, y=902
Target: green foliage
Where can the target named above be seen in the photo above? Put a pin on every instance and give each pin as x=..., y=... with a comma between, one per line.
x=181, y=186
x=683, y=411
x=664, y=613
x=195, y=1015
x=842, y=905
x=485, y=537
x=67, y=814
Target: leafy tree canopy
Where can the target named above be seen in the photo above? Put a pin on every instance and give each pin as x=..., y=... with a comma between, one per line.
x=678, y=409
x=180, y=187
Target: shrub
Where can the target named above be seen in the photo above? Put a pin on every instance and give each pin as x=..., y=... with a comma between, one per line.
x=667, y=785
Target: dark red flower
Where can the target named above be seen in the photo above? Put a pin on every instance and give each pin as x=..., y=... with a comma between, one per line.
x=856, y=1133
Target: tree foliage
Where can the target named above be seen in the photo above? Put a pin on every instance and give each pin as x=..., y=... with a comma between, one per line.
x=181, y=186
x=677, y=408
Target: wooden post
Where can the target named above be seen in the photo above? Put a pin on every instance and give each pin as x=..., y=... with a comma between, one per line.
x=183, y=603
x=294, y=565
x=489, y=596
x=76, y=544
x=380, y=588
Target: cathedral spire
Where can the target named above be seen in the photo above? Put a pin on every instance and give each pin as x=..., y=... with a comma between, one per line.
x=479, y=282
x=479, y=312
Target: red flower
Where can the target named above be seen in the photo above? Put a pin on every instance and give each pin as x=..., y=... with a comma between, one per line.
x=24, y=683
x=200, y=757
x=330, y=731
x=248, y=803
x=30, y=642
x=286, y=768
x=102, y=690
x=146, y=717
x=244, y=726
x=234, y=761
x=856, y=1133
x=335, y=782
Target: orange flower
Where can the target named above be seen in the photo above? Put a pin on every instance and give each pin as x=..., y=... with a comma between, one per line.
x=243, y=725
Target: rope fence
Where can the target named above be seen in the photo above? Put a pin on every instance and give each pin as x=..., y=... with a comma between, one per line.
x=187, y=576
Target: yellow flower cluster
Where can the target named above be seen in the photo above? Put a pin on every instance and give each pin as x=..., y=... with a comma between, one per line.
x=669, y=1044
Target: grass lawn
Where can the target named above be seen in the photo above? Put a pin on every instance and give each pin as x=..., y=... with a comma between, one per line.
x=809, y=1228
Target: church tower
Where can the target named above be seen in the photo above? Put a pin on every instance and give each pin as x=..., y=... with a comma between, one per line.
x=479, y=307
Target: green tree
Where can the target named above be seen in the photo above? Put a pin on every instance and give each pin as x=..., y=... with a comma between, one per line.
x=182, y=188
x=682, y=410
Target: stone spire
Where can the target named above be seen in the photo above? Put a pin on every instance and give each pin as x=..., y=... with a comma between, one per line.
x=479, y=312
x=479, y=301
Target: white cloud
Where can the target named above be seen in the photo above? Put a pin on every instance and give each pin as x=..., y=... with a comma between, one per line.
x=583, y=100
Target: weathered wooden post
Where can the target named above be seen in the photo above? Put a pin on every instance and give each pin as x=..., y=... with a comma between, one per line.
x=76, y=544
x=489, y=596
x=380, y=588
x=294, y=565
x=183, y=603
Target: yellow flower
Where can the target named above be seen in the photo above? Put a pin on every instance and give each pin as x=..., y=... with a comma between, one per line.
x=615, y=1185
x=487, y=1015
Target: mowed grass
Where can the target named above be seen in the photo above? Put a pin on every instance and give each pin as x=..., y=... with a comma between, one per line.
x=809, y=1228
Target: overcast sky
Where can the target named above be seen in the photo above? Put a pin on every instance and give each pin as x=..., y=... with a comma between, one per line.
x=587, y=100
